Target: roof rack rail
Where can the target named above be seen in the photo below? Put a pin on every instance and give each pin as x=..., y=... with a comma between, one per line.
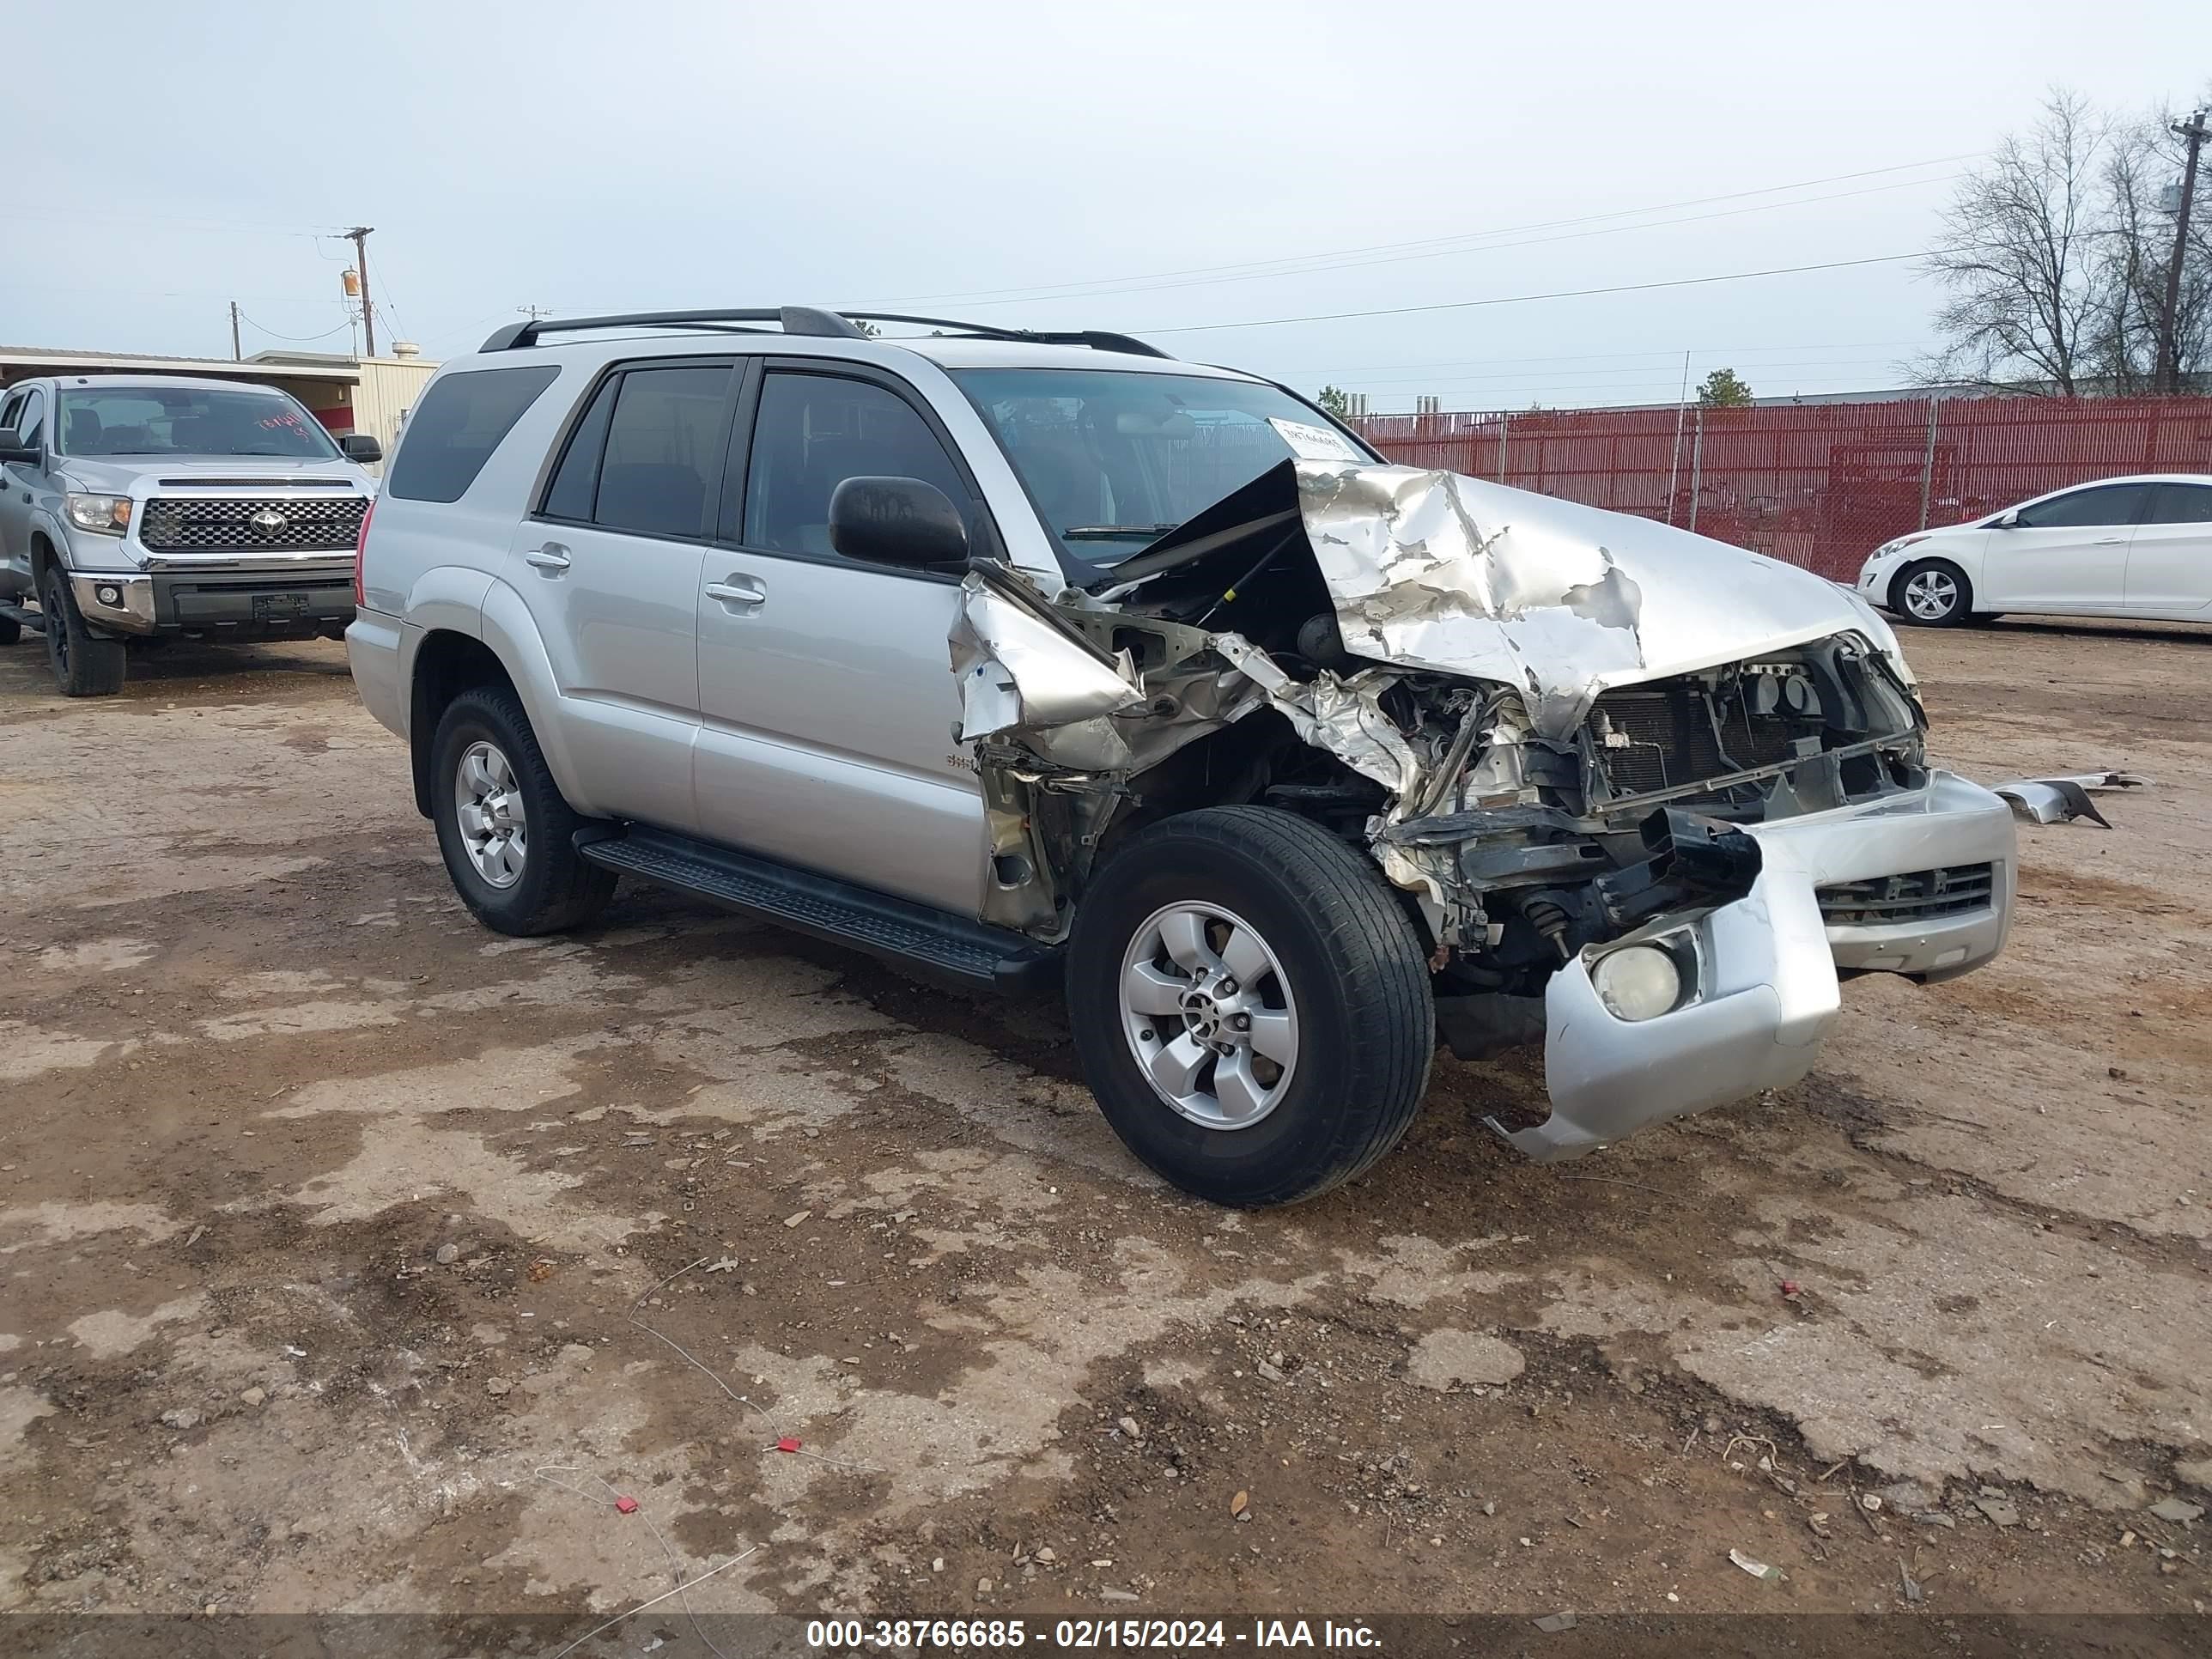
x=1097, y=339
x=807, y=320
x=794, y=319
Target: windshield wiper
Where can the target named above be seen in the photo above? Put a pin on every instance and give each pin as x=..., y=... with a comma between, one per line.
x=1102, y=532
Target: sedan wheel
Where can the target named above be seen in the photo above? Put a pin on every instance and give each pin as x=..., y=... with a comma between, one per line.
x=1933, y=594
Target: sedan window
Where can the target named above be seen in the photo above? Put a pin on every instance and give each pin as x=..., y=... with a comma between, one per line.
x=2179, y=503
x=2080, y=509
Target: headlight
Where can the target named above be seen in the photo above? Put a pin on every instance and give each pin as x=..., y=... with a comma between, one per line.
x=1638, y=982
x=108, y=514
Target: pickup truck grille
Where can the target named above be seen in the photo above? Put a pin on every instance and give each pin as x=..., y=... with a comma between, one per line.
x=251, y=524
x=1919, y=897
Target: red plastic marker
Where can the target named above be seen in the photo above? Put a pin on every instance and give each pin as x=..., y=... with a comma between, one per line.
x=788, y=1444
x=625, y=1506
x=1790, y=1287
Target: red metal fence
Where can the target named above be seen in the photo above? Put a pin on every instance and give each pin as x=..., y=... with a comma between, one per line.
x=1821, y=485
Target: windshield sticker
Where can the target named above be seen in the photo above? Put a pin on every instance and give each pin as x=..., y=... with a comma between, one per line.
x=1314, y=443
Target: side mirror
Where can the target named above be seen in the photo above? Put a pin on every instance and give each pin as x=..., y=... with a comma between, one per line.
x=13, y=448
x=359, y=447
x=2007, y=520
x=901, y=522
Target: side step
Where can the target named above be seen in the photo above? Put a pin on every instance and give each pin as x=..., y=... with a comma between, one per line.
x=33, y=621
x=827, y=908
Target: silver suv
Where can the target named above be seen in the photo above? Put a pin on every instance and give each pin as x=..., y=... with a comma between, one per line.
x=1031, y=658
x=142, y=507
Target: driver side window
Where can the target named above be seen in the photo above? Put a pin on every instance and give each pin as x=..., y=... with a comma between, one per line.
x=31, y=418
x=815, y=431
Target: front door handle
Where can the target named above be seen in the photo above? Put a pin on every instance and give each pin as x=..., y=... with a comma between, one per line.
x=552, y=558
x=744, y=595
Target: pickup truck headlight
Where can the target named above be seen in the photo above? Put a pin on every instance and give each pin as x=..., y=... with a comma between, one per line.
x=108, y=515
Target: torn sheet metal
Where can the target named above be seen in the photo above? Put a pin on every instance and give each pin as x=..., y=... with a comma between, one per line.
x=1343, y=716
x=2060, y=799
x=1019, y=670
x=1430, y=570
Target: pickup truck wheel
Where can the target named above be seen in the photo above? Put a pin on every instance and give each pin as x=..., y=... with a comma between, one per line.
x=1250, y=1005
x=83, y=667
x=507, y=835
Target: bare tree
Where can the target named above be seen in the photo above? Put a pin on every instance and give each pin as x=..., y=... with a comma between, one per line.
x=2019, y=259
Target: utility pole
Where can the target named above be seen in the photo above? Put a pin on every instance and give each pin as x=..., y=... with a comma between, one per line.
x=2169, y=327
x=535, y=311
x=359, y=236
x=237, y=352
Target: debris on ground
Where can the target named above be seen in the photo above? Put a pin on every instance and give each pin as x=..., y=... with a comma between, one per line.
x=1448, y=1359
x=1758, y=1569
x=1240, y=1505
x=2059, y=800
x=1552, y=1622
x=496, y=1386
x=1907, y=1583
x=2179, y=1510
x=1999, y=1512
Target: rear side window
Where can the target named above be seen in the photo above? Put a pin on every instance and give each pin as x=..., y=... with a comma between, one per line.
x=2108, y=504
x=454, y=429
x=2182, y=504
x=664, y=446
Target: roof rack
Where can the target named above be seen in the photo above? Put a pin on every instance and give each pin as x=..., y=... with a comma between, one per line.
x=807, y=320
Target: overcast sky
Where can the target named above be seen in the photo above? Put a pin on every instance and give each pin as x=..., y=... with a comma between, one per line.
x=1123, y=166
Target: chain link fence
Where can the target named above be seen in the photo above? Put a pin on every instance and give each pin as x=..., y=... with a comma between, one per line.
x=1819, y=485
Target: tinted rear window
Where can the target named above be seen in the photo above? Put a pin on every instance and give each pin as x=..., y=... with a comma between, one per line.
x=454, y=429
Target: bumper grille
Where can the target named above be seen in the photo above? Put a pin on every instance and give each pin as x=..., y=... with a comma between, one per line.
x=254, y=525
x=1671, y=739
x=1921, y=896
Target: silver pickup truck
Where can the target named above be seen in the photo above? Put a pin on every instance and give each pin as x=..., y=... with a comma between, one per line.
x=1035, y=658
x=140, y=508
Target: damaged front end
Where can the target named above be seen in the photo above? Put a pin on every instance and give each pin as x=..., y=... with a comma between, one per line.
x=1585, y=747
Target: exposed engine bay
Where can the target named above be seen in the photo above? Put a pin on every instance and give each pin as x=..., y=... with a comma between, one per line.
x=1546, y=738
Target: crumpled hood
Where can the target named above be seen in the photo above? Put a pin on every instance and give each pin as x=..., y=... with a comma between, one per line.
x=140, y=474
x=1436, y=570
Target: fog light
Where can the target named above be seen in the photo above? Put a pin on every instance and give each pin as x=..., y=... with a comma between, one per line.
x=1640, y=981
x=109, y=593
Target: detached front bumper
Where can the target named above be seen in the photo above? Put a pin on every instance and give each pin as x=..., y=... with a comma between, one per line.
x=1767, y=993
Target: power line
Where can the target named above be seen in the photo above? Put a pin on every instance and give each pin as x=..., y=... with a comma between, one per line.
x=296, y=339
x=1524, y=299
x=1665, y=354
x=984, y=295
x=1488, y=247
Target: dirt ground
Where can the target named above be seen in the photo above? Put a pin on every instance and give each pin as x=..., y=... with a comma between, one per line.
x=323, y=1215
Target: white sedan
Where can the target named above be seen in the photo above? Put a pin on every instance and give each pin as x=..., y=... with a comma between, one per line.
x=2121, y=547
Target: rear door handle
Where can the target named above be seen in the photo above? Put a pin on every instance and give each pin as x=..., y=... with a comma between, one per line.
x=552, y=558
x=743, y=594
x=2109, y=541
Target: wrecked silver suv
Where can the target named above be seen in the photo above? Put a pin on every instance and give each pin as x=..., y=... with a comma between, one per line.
x=1284, y=759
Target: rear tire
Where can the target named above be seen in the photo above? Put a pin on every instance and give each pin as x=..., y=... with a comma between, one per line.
x=10, y=630
x=1333, y=970
x=507, y=836
x=1932, y=593
x=84, y=665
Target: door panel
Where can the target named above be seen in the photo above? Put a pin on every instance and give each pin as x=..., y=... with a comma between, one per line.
x=613, y=582
x=2067, y=553
x=825, y=685
x=617, y=614
x=2169, y=561
x=827, y=739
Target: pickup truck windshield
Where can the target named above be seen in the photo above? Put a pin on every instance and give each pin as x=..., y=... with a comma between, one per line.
x=1116, y=458
x=146, y=419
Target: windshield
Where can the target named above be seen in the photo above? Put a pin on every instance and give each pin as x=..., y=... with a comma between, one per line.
x=1115, y=459
x=148, y=420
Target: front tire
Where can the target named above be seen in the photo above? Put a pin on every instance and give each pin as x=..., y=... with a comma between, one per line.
x=1932, y=593
x=84, y=665
x=1251, y=1005
x=507, y=836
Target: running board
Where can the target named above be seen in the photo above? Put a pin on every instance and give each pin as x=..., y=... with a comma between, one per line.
x=31, y=619
x=825, y=908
